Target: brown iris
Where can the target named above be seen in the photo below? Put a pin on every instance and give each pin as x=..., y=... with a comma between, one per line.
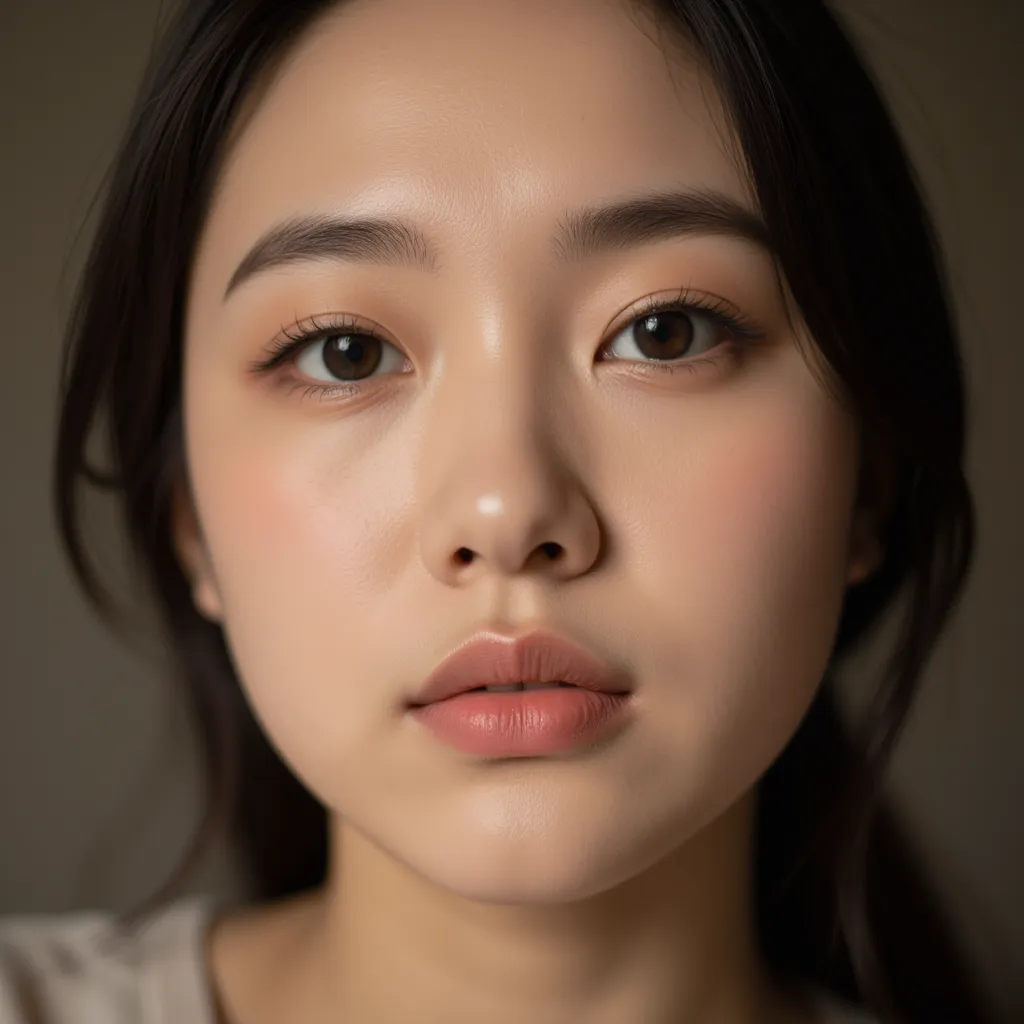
x=351, y=356
x=663, y=335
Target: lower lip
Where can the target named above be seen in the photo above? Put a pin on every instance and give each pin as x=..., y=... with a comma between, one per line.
x=524, y=723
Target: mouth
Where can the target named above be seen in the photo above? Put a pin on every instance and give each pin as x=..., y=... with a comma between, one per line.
x=512, y=687
x=498, y=688
x=525, y=719
x=493, y=662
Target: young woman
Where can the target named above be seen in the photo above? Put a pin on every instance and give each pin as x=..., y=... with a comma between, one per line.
x=462, y=345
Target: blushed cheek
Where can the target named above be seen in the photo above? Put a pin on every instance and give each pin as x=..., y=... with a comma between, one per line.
x=752, y=549
x=777, y=502
x=297, y=512
x=302, y=530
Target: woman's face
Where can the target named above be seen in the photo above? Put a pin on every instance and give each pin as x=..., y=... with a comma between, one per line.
x=705, y=514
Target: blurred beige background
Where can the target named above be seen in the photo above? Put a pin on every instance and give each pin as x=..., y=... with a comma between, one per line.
x=98, y=777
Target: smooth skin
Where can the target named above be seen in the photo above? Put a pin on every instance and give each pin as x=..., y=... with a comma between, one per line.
x=707, y=519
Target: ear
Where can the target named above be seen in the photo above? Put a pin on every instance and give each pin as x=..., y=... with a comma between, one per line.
x=190, y=547
x=876, y=491
x=866, y=552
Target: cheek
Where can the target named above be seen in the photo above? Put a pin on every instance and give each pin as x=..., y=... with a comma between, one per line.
x=774, y=507
x=304, y=527
x=742, y=582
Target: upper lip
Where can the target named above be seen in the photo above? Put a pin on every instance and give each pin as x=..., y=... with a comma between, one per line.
x=491, y=658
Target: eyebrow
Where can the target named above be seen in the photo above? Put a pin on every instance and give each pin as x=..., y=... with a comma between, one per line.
x=623, y=224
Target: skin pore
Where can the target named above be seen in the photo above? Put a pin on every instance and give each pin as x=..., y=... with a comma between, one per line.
x=706, y=518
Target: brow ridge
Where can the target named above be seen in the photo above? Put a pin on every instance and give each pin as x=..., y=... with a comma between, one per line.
x=655, y=216
x=376, y=240
x=580, y=234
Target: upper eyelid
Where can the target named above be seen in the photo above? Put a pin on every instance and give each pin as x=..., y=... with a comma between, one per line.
x=290, y=340
x=683, y=297
x=322, y=324
x=335, y=322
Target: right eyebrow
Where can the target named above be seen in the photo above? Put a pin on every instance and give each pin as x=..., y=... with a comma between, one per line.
x=623, y=223
x=363, y=240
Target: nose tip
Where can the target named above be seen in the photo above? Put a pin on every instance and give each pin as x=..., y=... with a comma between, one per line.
x=503, y=496
x=542, y=532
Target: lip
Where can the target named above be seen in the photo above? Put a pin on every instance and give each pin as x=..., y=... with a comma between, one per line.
x=491, y=658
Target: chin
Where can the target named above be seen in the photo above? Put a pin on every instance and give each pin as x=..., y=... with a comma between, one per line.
x=562, y=867
x=525, y=884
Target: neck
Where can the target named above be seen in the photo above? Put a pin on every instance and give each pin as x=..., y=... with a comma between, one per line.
x=673, y=945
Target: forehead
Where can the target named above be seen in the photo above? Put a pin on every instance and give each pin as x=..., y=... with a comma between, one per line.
x=483, y=120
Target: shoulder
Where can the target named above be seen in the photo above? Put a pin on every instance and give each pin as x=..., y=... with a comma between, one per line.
x=83, y=966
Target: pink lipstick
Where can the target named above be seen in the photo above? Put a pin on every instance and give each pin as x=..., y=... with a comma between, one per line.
x=529, y=696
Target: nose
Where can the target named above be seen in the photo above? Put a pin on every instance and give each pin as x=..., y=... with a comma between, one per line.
x=502, y=499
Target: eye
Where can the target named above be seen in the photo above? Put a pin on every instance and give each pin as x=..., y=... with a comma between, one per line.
x=348, y=356
x=668, y=335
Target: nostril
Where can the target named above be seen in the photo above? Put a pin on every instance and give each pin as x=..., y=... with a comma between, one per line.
x=551, y=549
x=464, y=555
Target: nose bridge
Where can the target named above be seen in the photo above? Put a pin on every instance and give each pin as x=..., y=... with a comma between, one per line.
x=499, y=494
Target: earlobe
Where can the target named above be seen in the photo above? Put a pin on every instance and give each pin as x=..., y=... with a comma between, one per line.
x=190, y=547
x=867, y=550
x=865, y=553
x=207, y=599
x=875, y=494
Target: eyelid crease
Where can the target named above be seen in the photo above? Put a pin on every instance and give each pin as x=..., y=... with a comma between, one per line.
x=293, y=339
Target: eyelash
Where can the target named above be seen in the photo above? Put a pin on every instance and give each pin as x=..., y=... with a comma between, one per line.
x=292, y=340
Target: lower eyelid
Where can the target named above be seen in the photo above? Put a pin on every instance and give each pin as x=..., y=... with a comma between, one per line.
x=727, y=352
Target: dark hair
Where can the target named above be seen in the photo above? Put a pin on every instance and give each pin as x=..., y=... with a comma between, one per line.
x=842, y=898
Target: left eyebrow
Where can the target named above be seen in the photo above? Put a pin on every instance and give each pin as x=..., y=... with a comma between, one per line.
x=655, y=217
x=581, y=234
